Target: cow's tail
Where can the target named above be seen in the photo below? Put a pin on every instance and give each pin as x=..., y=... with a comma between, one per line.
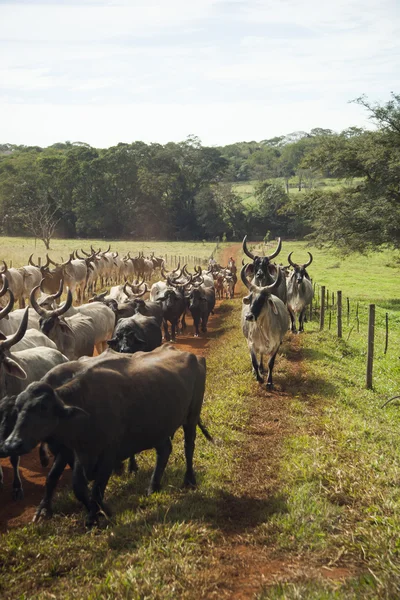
x=205, y=432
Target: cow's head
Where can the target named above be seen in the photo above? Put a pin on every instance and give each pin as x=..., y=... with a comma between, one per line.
x=299, y=271
x=259, y=296
x=128, y=337
x=39, y=411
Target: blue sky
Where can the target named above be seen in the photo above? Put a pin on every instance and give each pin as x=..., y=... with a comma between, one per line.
x=225, y=70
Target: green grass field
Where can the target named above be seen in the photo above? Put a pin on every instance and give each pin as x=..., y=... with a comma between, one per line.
x=18, y=250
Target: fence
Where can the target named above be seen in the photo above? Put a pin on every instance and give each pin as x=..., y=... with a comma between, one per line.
x=369, y=322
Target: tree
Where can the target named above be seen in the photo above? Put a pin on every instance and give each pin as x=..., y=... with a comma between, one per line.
x=365, y=212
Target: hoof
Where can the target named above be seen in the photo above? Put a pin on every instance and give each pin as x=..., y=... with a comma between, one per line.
x=196, y=335
x=42, y=513
x=17, y=494
x=189, y=483
x=269, y=387
x=154, y=488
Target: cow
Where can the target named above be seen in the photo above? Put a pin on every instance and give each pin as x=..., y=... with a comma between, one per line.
x=265, y=272
x=265, y=321
x=228, y=286
x=19, y=368
x=10, y=320
x=74, y=336
x=154, y=393
x=15, y=282
x=74, y=274
x=173, y=302
x=137, y=333
x=299, y=292
x=139, y=306
x=201, y=304
x=219, y=286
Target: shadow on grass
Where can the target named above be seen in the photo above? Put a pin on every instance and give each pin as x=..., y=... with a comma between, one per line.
x=392, y=304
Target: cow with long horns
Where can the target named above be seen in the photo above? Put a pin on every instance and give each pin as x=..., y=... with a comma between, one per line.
x=74, y=336
x=265, y=321
x=299, y=291
x=265, y=272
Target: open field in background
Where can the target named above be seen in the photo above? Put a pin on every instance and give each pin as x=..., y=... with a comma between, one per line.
x=245, y=189
x=19, y=249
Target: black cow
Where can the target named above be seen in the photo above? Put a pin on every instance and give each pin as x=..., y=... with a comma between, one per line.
x=153, y=394
x=173, y=303
x=137, y=333
x=265, y=272
x=142, y=307
x=201, y=304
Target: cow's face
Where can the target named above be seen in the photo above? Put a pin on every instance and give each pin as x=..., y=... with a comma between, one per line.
x=195, y=298
x=256, y=302
x=39, y=412
x=127, y=339
x=299, y=273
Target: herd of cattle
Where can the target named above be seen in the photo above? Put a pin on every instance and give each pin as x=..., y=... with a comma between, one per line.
x=93, y=412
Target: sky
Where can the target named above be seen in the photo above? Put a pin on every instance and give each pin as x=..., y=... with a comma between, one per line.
x=109, y=71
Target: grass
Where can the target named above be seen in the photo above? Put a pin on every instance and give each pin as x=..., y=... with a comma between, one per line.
x=18, y=250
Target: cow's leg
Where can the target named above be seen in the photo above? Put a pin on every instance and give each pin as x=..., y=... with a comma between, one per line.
x=43, y=455
x=190, y=437
x=103, y=473
x=270, y=385
x=183, y=321
x=174, y=326
x=45, y=507
x=256, y=367
x=301, y=320
x=21, y=302
x=261, y=365
x=17, y=491
x=163, y=452
x=80, y=484
x=196, y=323
x=204, y=319
x=293, y=320
x=167, y=337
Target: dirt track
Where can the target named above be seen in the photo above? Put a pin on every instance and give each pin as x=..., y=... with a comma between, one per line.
x=16, y=514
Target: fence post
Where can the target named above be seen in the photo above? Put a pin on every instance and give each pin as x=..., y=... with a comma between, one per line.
x=330, y=319
x=339, y=314
x=348, y=310
x=370, y=353
x=386, y=332
x=358, y=320
x=39, y=261
x=327, y=299
x=322, y=312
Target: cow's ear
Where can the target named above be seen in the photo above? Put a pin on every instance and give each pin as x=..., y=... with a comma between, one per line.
x=273, y=306
x=12, y=368
x=247, y=299
x=73, y=412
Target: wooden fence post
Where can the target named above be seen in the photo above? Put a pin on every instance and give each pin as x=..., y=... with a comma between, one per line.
x=348, y=310
x=330, y=320
x=322, y=312
x=327, y=299
x=370, y=353
x=339, y=314
x=386, y=332
x=39, y=261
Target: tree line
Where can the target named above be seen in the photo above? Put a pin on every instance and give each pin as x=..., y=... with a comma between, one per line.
x=184, y=190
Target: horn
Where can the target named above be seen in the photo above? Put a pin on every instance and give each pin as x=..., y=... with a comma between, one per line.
x=291, y=263
x=57, y=294
x=40, y=311
x=250, y=286
x=278, y=249
x=143, y=293
x=177, y=268
x=310, y=261
x=14, y=339
x=5, y=268
x=86, y=253
x=245, y=250
x=7, y=309
x=64, y=307
x=125, y=290
x=271, y=288
x=79, y=257
x=108, y=249
x=51, y=262
x=5, y=286
x=30, y=262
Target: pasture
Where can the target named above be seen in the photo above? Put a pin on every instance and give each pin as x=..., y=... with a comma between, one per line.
x=19, y=249
x=299, y=496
